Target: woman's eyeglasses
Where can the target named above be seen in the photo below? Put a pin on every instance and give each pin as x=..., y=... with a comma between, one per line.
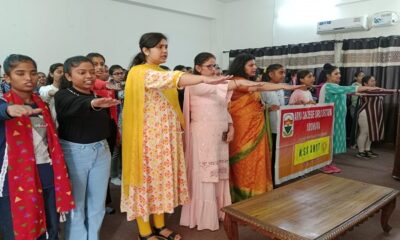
x=210, y=66
x=118, y=73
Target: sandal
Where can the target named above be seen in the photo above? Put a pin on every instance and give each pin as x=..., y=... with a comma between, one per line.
x=149, y=236
x=171, y=236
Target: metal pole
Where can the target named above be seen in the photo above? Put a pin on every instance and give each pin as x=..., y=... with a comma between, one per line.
x=396, y=167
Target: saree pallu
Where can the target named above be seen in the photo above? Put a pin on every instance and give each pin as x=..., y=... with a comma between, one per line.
x=249, y=152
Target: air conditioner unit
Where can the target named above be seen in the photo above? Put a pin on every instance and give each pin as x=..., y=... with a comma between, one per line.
x=343, y=25
x=385, y=19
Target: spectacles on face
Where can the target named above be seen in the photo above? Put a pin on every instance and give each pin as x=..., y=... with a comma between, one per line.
x=118, y=73
x=210, y=66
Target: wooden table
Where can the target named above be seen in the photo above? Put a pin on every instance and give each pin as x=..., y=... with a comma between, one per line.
x=319, y=207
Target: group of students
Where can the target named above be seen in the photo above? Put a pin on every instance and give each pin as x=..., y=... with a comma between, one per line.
x=217, y=151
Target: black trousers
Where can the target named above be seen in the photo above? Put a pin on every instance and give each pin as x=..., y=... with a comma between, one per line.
x=112, y=141
x=273, y=157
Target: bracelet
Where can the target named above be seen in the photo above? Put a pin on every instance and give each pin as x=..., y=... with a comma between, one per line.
x=95, y=108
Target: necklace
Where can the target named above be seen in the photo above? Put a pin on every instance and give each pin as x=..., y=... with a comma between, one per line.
x=77, y=94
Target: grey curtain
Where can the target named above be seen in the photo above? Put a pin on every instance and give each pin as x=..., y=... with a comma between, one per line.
x=295, y=56
x=379, y=57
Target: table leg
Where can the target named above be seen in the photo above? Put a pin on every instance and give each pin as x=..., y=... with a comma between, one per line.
x=231, y=228
x=386, y=213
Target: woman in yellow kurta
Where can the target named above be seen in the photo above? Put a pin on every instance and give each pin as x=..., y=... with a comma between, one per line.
x=153, y=170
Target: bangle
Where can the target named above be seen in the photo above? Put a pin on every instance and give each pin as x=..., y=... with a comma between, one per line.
x=95, y=108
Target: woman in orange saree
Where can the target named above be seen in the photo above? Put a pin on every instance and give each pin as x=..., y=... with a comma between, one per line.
x=249, y=153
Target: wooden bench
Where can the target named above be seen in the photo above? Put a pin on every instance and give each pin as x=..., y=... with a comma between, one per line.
x=319, y=207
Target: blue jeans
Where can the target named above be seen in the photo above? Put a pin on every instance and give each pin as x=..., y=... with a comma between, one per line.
x=89, y=170
x=52, y=217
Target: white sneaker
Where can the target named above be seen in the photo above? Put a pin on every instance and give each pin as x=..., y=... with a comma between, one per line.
x=116, y=181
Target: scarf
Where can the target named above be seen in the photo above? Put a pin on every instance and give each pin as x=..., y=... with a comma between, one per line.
x=25, y=190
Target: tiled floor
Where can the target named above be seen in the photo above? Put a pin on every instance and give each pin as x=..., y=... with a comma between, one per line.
x=375, y=171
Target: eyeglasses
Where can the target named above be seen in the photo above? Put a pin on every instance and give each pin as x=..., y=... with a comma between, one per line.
x=210, y=66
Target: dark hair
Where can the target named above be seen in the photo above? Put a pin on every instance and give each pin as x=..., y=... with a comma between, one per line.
x=70, y=63
x=113, y=68
x=365, y=79
x=165, y=67
x=52, y=69
x=330, y=69
x=302, y=74
x=93, y=55
x=147, y=40
x=326, y=69
x=13, y=60
x=179, y=68
x=358, y=72
x=237, y=66
x=272, y=68
x=200, y=59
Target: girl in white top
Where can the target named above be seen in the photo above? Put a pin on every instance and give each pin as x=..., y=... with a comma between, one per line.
x=300, y=96
x=52, y=85
x=274, y=99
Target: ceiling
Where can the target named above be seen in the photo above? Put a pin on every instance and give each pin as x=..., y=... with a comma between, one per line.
x=226, y=1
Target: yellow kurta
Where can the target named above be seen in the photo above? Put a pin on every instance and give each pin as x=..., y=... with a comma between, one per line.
x=154, y=172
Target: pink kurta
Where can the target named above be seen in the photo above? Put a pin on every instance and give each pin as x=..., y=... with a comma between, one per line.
x=300, y=97
x=206, y=154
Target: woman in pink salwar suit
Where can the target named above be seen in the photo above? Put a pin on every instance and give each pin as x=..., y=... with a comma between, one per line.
x=207, y=122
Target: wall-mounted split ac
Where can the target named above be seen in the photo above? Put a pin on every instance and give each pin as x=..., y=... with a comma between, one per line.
x=385, y=19
x=363, y=23
x=343, y=25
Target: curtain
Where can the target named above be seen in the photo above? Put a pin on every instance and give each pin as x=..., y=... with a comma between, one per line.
x=295, y=56
x=374, y=56
x=379, y=57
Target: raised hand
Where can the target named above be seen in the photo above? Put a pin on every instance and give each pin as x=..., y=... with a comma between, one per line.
x=251, y=86
x=104, y=102
x=216, y=79
x=22, y=110
x=374, y=89
x=369, y=89
x=294, y=87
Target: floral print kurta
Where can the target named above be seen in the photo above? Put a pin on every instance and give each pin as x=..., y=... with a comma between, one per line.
x=164, y=171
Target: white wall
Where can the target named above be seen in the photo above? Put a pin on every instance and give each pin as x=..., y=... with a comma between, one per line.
x=296, y=22
x=50, y=31
x=248, y=24
x=261, y=23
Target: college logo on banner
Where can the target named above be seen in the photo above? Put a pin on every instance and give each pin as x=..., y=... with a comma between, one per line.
x=309, y=147
x=288, y=126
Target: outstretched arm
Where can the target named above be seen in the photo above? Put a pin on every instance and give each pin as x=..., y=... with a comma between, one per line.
x=191, y=79
x=260, y=86
x=365, y=89
x=22, y=110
